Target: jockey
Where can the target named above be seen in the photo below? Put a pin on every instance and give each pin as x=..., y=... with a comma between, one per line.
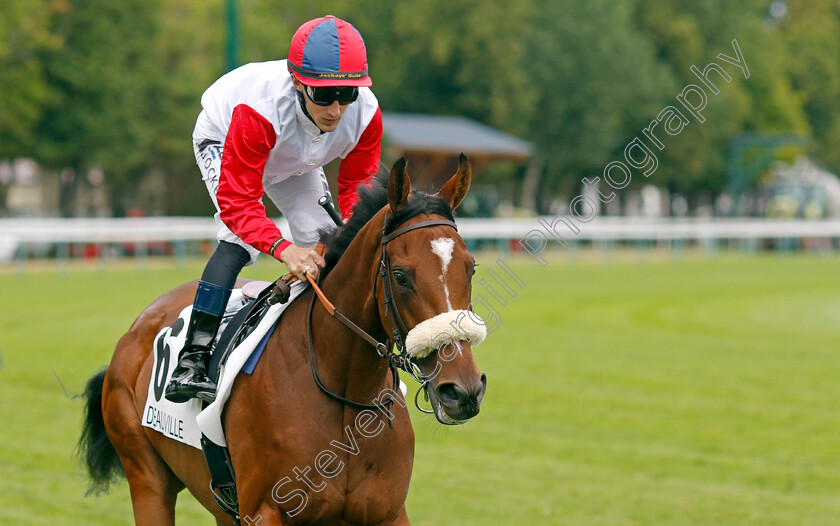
x=269, y=128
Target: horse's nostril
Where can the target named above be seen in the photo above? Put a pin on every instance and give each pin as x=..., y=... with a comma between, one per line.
x=482, y=388
x=451, y=395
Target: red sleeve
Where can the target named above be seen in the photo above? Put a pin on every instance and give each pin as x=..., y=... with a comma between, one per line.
x=360, y=165
x=249, y=140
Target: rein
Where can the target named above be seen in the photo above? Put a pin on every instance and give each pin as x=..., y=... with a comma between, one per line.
x=396, y=360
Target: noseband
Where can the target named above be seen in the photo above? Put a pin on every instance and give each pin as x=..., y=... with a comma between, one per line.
x=396, y=360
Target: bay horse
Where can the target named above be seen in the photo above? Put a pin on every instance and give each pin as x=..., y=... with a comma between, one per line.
x=302, y=457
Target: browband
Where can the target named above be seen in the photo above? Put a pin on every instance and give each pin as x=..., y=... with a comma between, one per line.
x=421, y=224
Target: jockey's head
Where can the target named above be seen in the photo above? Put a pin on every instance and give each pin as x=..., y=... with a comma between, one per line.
x=328, y=64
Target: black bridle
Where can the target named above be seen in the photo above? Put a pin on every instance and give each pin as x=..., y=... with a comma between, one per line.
x=396, y=360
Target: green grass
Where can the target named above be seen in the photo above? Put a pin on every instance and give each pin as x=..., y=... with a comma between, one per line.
x=702, y=391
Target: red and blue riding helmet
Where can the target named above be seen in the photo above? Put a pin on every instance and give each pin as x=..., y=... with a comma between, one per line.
x=328, y=51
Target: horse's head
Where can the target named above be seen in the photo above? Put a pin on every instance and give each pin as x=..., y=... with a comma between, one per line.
x=426, y=275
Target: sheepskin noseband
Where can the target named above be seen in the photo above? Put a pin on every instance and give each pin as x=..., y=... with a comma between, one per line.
x=443, y=329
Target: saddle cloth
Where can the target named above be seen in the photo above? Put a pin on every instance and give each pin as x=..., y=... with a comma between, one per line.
x=185, y=422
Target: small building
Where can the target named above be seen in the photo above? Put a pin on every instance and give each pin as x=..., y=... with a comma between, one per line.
x=432, y=143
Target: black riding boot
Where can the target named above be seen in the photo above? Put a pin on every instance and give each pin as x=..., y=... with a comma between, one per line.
x=189, y=379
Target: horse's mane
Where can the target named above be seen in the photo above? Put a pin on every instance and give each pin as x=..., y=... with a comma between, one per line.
x=372, y=197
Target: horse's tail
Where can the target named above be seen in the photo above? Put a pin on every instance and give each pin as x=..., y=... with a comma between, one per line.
x=94, y=448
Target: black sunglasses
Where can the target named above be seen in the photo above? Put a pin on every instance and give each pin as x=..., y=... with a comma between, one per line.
x=326, y=95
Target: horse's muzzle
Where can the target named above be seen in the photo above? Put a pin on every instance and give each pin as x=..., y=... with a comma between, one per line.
x=460, y=403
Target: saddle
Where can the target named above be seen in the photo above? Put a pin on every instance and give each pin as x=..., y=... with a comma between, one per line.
x=258, y=297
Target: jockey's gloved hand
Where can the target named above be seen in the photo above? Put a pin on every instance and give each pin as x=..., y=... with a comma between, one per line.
x=302, y=260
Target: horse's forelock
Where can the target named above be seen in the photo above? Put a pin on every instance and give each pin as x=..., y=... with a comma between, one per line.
x=418, y=203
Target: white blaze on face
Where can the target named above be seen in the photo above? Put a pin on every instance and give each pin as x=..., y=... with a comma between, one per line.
x=443, y=247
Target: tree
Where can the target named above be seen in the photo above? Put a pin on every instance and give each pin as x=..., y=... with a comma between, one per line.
x=24, y=35
x=599, y=82
x=811, y=35
x=689, y=34
x=188, y=51
x=97, y=112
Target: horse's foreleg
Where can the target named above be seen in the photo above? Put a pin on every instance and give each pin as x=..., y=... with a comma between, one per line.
x=401, y=520
x=266, y=514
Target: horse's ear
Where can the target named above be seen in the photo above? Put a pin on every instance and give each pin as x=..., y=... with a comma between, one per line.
x=399, y=185
x=456, y=187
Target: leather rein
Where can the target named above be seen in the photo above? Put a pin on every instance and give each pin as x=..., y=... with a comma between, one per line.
x=396, y=360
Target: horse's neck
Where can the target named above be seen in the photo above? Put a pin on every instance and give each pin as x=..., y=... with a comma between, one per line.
x=350, y=287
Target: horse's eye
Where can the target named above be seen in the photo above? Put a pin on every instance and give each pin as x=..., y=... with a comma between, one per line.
x=400, y=278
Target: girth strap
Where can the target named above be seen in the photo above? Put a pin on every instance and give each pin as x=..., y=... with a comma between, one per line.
x=222, y=477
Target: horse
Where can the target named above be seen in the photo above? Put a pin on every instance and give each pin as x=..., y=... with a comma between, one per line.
x=338, y=449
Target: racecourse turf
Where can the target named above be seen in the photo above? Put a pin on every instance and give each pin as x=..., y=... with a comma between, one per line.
x=692, y=391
